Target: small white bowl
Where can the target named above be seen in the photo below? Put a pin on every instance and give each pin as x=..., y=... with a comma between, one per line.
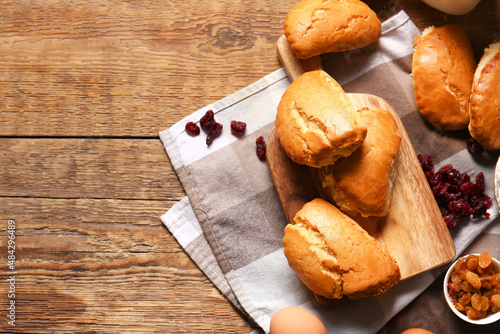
x=490, y=318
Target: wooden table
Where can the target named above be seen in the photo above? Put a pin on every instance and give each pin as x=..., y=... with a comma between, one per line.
x=85, y=87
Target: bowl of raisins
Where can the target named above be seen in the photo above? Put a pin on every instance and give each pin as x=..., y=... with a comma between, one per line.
x=472, y=288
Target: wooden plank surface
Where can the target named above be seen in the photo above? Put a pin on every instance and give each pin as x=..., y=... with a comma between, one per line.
x=85, y=86
x=87, y=168
x=105, y=266
x=127, y=68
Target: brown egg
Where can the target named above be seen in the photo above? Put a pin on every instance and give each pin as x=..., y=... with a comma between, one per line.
x=416, y=331
x=296, y=320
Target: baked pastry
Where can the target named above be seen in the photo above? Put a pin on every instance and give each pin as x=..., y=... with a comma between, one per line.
x=334, y=257
x=484, y=108
x=443, y=69
x=363, y=182
x=314, y=27
x=316, y=122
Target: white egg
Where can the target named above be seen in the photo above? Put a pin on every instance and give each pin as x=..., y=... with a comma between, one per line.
x=296, y=320
x=454, y=7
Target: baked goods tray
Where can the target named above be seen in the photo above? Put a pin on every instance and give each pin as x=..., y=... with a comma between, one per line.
x=414, y=231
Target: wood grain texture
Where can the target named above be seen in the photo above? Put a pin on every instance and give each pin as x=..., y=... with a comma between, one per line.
x=106, y=266
x=127, y=68
x=87, y=168
x=85, y=86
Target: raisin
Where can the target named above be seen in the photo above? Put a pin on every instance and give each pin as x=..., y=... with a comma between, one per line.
x=473, y=313
x=495, y=299
x=461, y=265
x=473, y=279
x=238, y=128
x=261, y=148
x=472, y=262
x=476, y=301
x=192, y=129
x=485, y=260
x=474, y=147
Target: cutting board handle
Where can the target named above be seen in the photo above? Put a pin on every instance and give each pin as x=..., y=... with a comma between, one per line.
x=294, y=66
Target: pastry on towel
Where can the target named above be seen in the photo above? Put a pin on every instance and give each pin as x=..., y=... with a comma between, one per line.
x=314, y=27
x=443, y=69
x=334, y=257
x=316, y=122
x=484, y=108
x=363, y=182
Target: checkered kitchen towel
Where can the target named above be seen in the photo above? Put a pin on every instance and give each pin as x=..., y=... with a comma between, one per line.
x=231, y=222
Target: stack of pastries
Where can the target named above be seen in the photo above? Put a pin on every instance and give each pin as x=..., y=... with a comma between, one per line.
x=351, y=153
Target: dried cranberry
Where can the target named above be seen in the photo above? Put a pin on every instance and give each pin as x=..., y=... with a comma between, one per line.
x=238, y=128
x=435, y=179
x=450, y=197
x=452, y=221
x=214, y=132
x=426, y=163
x=463, y=179
x=474, y=147
x=469, y=188
x=480, y=181
x=457, y=196
x=480, y=203
x=261, y=148
x=207, y=122
x=460, y=208
x=192, y=129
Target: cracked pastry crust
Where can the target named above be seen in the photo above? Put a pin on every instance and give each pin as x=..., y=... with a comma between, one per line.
x=362, y=183
x=316, y=122
x=334, y=257
x=443, y=69
x=314, y=27
x=484, y=108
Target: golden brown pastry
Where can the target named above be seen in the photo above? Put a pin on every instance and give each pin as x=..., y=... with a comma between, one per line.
x=314, y=27
x=316, y=122
x=443, y=70
x=334, y=257
x=363, y=182
x=484, y=108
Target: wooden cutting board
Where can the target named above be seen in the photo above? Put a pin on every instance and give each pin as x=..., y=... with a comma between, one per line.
x=414, y=230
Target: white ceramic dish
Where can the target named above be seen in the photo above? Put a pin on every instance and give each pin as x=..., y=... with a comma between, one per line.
x=491, y=318
x=497, y=181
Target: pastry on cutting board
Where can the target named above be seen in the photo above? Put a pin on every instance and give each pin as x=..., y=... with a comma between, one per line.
x=316, y=122
x=334, y=257
x=362, y=183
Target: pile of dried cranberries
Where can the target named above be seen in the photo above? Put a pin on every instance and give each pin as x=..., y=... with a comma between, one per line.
x=457, y=196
